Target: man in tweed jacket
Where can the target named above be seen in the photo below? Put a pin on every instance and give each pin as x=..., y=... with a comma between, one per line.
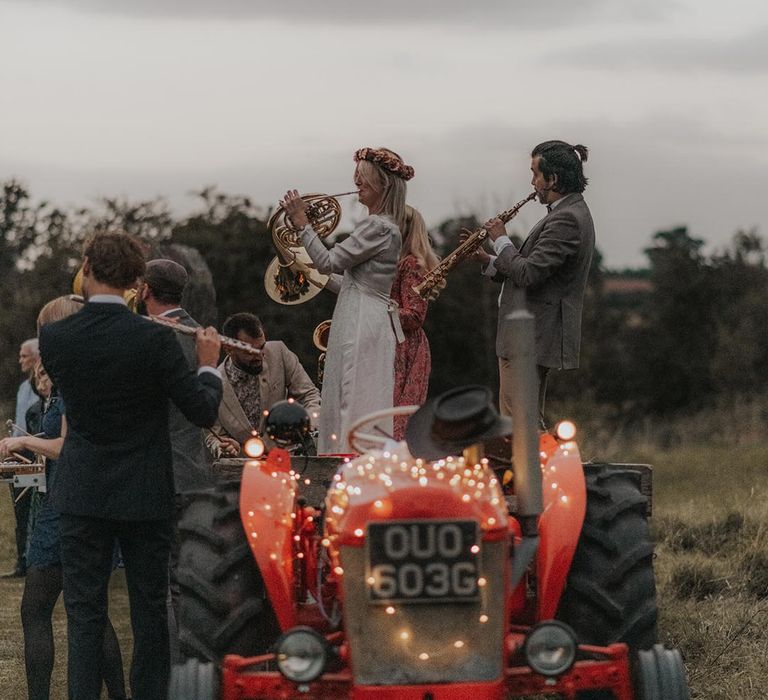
x=552, y=265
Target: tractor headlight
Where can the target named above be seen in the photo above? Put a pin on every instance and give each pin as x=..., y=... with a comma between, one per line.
x=550, y=648
x=301, y=654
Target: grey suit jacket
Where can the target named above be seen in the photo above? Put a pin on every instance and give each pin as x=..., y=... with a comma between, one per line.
x=190, y=464
x=552, y=265
x=282, y=377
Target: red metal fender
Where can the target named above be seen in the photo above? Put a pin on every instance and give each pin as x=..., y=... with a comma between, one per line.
x=267, y=494
x=565, y=502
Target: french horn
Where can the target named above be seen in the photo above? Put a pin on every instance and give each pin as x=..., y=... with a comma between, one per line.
x=291, y=277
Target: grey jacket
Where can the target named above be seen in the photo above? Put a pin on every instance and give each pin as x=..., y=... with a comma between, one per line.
x=552, y=265
x=191, y=469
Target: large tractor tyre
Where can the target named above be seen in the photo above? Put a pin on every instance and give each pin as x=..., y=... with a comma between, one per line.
x=194, y=680
x=610, y=594
x=223, y=607
x=660, y=675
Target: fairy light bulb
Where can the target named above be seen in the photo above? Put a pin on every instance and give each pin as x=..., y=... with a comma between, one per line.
x=565, y=430
x=254, y=447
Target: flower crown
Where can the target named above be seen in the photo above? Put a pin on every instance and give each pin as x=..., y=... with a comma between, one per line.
x=387, y=160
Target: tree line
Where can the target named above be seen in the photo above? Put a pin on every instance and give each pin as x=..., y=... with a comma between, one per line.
x=685, y=337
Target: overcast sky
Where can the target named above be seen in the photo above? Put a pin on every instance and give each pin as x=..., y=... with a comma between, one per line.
x=150, y=97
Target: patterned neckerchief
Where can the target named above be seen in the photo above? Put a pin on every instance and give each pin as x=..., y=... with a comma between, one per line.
x=246, y=387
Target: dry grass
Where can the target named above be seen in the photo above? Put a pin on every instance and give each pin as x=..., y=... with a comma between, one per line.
x=711, y=528
x=711, y=525
x=13, y=684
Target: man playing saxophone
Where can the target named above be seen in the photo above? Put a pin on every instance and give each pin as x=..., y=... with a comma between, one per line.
x=552, y=265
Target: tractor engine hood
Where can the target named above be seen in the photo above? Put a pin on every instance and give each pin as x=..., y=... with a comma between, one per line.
x=395, y=486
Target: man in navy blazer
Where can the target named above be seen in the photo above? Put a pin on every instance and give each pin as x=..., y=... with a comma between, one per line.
x=552, y=265
x=115, y=372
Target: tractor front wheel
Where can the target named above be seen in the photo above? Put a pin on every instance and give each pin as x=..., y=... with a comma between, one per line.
x=661, y=675
x=194, y=680
x=223, y=607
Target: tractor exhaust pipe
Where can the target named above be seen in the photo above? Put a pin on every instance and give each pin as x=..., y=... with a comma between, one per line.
x=526, y=463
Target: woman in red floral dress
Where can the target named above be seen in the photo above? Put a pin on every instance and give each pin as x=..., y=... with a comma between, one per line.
x=413, y=361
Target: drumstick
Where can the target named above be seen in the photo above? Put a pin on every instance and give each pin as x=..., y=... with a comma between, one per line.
x=217, y=435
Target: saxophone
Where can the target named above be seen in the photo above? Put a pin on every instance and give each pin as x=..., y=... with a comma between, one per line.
x=430, y=286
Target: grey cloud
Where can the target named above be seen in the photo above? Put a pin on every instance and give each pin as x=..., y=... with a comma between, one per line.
x=744, y=54
x=489, y=14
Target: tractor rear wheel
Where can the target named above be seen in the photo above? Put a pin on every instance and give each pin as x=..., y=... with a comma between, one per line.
x=223, y=607
x=661, y=675
x=193, y=680
x=610, y=595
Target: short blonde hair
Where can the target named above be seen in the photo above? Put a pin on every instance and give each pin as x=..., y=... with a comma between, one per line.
x=57, y=309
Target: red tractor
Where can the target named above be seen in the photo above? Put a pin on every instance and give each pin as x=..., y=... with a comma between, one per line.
x=409, y=579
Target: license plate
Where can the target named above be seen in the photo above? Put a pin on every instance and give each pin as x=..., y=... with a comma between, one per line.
x=422, y=561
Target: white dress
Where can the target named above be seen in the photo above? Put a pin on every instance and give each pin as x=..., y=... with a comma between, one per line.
x=360, y=360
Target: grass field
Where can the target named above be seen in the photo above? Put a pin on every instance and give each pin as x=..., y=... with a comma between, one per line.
x=711, y=526
x=13, y=684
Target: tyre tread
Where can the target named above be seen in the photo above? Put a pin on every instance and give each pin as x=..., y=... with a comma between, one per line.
x=610, y=594
x=223, y=607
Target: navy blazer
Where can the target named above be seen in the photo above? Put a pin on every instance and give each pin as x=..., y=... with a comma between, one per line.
x=115, y=372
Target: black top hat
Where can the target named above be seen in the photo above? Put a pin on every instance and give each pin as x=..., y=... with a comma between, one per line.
x=453, y=421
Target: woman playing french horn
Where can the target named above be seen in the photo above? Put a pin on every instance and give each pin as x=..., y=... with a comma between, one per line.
x=359, y=369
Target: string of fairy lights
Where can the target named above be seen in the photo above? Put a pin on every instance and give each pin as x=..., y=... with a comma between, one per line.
x=369, y=482
x=373, y=478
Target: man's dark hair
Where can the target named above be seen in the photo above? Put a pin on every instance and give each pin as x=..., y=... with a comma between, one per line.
x=243, y=321
x=166, y=280
x=560, y=159
x=115, y=259
x=166, y=297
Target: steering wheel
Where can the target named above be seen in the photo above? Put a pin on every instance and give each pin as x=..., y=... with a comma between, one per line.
x=361, y=440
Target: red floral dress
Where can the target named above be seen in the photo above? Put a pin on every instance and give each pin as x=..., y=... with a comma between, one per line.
x=413, y=361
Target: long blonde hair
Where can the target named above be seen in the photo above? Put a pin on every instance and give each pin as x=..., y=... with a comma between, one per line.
x=391, y=186
x=416, y=240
